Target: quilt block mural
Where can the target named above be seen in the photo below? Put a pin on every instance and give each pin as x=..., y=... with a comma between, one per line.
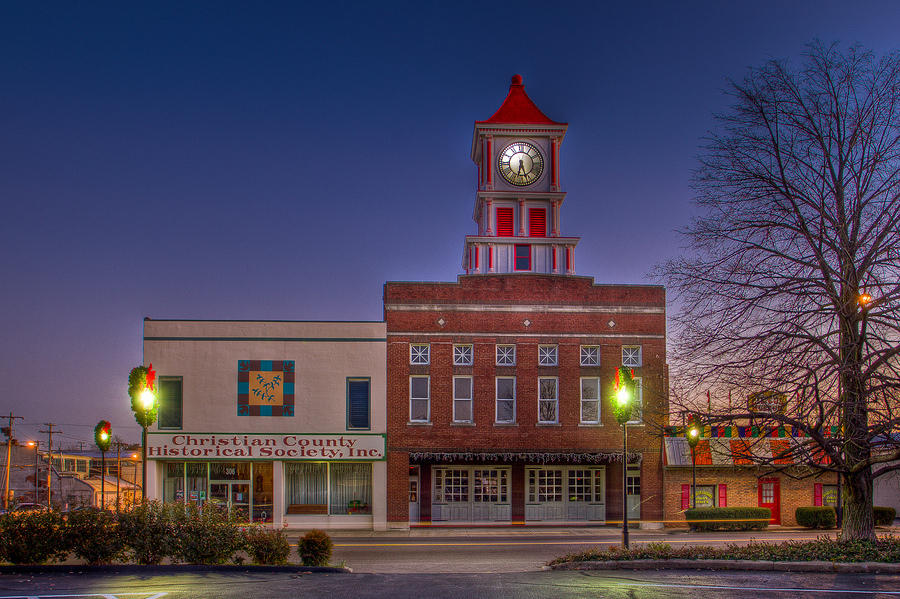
x=265, y=388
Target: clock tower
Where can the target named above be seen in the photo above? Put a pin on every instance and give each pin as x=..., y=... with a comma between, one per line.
x=518, y=201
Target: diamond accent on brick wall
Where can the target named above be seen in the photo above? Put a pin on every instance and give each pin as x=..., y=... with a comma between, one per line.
x=526, y=322
x=441, y=322
x=611, y=323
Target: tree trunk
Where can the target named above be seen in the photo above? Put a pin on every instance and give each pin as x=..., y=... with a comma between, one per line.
x=859, y=521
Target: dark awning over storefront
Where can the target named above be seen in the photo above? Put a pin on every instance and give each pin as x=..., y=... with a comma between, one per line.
x=530, y=457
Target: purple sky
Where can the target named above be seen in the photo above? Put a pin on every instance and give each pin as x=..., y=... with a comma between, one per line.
x=234, y=161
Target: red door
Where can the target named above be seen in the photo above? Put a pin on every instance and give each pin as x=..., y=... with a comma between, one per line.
x=770, y=497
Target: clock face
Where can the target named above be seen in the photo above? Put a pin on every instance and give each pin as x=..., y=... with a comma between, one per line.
x=520, y=163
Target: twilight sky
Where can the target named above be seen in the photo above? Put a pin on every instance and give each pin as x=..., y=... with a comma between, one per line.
x=282, y=160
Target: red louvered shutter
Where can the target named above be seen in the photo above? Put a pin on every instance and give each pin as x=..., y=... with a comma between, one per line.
x=685, y=496
x=723, y=496
x=504, y=222
x=537, y=222
x=817, y=494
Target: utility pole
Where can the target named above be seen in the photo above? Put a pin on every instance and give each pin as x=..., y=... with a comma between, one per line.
x=9, y=439
x=49, y=432
x=118, y=471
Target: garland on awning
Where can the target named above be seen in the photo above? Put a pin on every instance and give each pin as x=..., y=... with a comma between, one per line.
x=596, y=457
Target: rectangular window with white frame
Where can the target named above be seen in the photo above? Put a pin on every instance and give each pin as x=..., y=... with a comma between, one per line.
x=637, y=406
x=590, y=355
x=548, y=400
x=419, y=399
x=419, y=353
x=506, y=399
x=462, y=399
x=506, y=355
x=590, y=400
x=462, y=354
x=631, y=356
x=548, y=355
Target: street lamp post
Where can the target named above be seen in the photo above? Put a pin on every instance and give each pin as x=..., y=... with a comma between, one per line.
x=693, y=437
x=624, y=394
x=102, y=437
x=36, y=486
x=144, y=404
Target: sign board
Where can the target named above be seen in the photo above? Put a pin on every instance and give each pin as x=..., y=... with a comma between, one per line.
x=238, y=446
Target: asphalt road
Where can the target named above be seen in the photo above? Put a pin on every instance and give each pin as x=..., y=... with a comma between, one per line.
x=493, y=552
x=527, y=585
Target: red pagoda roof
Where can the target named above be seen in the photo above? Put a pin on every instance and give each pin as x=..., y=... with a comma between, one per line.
x=518, y=108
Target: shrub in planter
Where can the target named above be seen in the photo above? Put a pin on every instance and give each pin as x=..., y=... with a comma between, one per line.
x=205, y=535
x=728, y=518
x=32, y=537
x=816, y=516
x=315, y=548
x=94, y=536
x=884, y=516
x=148, y=532
x=266, y=546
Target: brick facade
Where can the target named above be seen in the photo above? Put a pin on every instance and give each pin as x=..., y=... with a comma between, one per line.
x=528, y=311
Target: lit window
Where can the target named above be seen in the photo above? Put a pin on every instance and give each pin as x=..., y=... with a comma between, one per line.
x=419, y=399
x=419, y=353
x=506, y=399
x=547, y=355
x=590, y=400
x=462, y=399
x=590, y=355
x=506, y=355
x=706, y=496
x=548, y=400
x=462, y=355
x=631, y=356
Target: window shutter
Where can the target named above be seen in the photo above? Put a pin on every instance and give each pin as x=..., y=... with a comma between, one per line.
x=685, y=496
x=358, y=404
x=817, y=494
x=504, y=222
x=723, y=496
x=537, y=222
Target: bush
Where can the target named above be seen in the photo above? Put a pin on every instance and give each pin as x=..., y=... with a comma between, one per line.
x=204, y=535
x=884, y=516
x=148, y=532
x=315, y=548
x=728, y=518
x=32, y=537
x=267, y=546
x=816, y=517
x=94, y=536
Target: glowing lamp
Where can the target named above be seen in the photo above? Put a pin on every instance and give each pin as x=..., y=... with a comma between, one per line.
x=147, y=399
x=864, y=299
x=623, y=396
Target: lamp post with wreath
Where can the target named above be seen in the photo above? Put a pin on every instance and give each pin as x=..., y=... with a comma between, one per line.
x=145, y=405
x=624, y=394
x=693, y=437
x=102, y=438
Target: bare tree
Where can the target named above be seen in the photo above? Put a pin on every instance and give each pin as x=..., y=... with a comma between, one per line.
x=791, y=281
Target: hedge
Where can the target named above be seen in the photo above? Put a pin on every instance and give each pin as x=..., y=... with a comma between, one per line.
x=884, y=516
x=816, y=516
x=728, y=518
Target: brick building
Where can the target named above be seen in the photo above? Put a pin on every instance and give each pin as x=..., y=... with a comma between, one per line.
x=499, y=385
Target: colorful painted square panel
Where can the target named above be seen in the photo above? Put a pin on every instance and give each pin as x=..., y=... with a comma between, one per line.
x=265, y=388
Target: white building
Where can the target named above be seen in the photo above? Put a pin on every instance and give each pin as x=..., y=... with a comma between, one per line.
x=279, y=422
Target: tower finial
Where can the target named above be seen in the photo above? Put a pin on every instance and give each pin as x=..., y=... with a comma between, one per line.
x=517, y=80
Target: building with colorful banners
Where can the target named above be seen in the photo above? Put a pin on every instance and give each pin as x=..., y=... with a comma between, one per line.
x=277, y=422
x=742, y=466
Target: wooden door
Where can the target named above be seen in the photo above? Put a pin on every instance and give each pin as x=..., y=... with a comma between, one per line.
x=770, y=497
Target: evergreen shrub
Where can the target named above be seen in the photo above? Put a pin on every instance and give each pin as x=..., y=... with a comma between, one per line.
x=822, y=516
x=148, y=531
x=728, y=518
x=884, y=516
x=266, y=546
x=33, y=537
x=204, y=535
x=315, y=548
x=94, y=536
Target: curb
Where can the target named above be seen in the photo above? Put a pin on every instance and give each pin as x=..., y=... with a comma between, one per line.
x=724, y=564
x=160, y=569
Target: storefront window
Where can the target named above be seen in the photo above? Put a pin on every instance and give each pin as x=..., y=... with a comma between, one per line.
x=580, y=488
x=491, y=486
x=173, y=483
x=351, y=488
x=262, y=492
x=196, y=482
x=306, y=486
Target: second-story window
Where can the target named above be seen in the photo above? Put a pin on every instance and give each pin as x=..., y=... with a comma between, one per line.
x=506, y=355
x=462, y=355
x=419, y=399
x=547, y=355
x=462, y=399
x=419, y=353
x=631, y=356
x=548, y=400
x=590, y=355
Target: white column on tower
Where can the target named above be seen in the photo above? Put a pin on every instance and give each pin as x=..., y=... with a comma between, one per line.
x=554, y=231
x=488, y=216
x=521, y=217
